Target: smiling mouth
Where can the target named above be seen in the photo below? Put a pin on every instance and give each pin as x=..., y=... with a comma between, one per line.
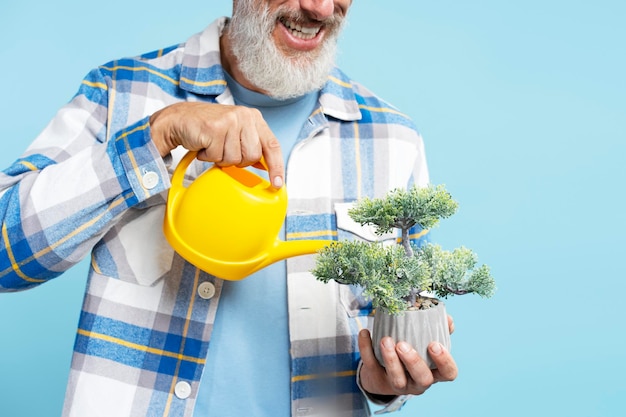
x=299, y=31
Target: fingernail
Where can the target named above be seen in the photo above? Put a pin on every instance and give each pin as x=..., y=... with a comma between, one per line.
x=437, y=349
x=388, y=343
x=278, y=182
x=404, y=347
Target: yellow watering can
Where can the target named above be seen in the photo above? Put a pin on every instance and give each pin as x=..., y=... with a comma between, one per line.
x=228, y=221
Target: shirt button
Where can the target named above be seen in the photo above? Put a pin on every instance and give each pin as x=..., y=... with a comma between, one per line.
x=206, y=290
x=182, y=390
x=150, y=180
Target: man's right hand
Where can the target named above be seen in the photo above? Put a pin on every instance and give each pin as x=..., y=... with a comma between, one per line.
x=225, y=135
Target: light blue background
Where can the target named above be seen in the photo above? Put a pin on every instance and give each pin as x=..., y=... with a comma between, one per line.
x=522, y=106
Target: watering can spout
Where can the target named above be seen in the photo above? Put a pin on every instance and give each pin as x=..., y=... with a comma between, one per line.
x=227, y=222
x=288, y=249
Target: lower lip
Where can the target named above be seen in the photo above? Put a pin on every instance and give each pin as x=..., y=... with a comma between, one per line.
x=298, y=43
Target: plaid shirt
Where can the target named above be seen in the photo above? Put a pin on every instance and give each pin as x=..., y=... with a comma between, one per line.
x=94, y=183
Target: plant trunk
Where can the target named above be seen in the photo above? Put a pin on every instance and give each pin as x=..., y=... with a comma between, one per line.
x=406, y=243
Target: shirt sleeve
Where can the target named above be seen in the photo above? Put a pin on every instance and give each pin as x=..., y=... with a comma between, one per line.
x=71, y=185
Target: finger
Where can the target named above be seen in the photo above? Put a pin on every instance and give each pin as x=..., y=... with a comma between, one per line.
x=208, y=141
x=273, y=155
x=251, y=150
x=214, y=152
x=419, y=371
x=366, y=350
x=232, y=148
x=450, y=324
x=446, y=366
x=396, y=375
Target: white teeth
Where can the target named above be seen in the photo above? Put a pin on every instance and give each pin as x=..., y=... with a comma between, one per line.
x=309, y=31
x=301, y=32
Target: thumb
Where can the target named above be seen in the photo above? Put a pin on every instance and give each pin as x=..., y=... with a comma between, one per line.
x=366, y=349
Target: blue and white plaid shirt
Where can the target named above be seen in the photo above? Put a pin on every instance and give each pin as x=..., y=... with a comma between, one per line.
x=94, y=183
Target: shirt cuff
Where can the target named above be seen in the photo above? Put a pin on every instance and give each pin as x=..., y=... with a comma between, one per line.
x=138, y=161
x=391, y=402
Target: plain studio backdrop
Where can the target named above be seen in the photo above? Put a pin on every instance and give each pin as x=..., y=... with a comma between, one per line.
x=522, y=107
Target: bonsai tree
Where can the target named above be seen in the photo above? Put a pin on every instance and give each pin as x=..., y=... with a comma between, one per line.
x=402, y=277
x=394, y=276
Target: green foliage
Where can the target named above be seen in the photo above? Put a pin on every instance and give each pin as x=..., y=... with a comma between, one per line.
x=404, y=209
x=393, y=275
x=385, y=273
x=455, y=273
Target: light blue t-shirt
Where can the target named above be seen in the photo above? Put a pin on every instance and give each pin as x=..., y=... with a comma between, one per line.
x=248, y=366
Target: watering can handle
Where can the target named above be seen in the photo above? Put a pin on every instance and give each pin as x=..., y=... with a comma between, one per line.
x=181, y=168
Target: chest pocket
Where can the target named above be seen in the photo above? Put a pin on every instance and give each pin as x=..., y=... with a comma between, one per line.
x=136, y=250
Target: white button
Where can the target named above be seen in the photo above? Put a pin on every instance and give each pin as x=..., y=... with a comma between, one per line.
x=150, y=180
x=206, y=290
x=182, y=390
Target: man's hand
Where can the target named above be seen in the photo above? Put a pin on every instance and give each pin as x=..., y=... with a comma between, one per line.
x=225, y=135
x=405, y=371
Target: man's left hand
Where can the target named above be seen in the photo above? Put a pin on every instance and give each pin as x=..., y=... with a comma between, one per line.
x=405, y=372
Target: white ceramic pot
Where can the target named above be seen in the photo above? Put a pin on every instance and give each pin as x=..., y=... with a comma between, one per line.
x=417, y=327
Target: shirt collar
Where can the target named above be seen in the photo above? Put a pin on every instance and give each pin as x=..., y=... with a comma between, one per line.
x=202, y=73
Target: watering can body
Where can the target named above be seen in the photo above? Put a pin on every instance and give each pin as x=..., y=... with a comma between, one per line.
x=227, y=222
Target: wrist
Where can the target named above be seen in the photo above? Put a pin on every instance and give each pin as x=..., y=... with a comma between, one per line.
x=379, y=399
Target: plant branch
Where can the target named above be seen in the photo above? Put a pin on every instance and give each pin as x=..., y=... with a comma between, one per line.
x=456, y=291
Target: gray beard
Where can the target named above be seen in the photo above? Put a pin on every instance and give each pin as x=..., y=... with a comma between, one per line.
x=265, y=66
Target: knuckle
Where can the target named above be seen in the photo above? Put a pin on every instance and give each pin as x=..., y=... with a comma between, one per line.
x=211, y=156
x=253, y=155
x=446, y=371
x=208, y=141
x=418, y=389
x=273, y=143
x=230, y=118
x=277, y=166
x=231, y=160
x=251, y=152
x=452, y=375
x=246, y=113
x=398, y=384
x=424, y=381
x=254, y=113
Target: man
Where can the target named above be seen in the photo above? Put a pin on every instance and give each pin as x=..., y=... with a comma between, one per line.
x=158, y=336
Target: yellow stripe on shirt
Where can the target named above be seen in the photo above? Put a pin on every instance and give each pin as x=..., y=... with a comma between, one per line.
x=139, y=347
x=29, y=165
x=95, y=85
x=319, y=376
x=138, y=69
x=338, y=81
x=203, y=83
x=14, y=265
x=317, y=233
x=382, y=110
